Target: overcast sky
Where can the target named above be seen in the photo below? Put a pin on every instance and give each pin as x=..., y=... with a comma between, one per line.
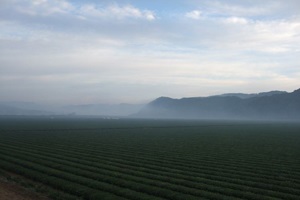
x=133, y=51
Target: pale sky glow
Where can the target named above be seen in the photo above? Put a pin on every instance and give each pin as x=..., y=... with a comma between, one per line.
x=131, y=51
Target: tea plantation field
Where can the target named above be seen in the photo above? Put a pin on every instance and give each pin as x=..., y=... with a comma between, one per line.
x=151, y=159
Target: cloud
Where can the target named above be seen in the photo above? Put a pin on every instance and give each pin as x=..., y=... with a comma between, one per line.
x=246, y=8
x=44, y=7
x=116, y=11
x=240, y=9
x=195, y=14
x=53, y=9
x=236, y=20
x=276, y=36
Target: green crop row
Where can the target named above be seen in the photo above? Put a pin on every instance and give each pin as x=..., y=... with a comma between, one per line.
x=57, y=183
x=130, y=159
x=250, y=174
x=93, y=185
x=208, y=183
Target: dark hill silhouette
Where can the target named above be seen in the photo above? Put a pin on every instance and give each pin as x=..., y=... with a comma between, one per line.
x=275, y=105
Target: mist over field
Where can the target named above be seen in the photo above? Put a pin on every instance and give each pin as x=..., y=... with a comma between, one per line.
x=273, y=105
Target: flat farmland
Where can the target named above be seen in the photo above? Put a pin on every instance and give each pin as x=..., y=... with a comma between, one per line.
x=154, y=159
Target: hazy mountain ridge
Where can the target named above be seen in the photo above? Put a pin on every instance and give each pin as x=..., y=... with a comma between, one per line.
x=11, y=110
x=30, y=108
x=267, y=105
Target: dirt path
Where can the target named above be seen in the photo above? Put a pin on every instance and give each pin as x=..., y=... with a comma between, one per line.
x=10, y=191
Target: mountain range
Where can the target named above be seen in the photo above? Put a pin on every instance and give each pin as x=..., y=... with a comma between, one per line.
x=30, y=108
x=274, y=105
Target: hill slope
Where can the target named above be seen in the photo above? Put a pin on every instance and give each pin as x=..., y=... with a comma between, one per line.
x=271, y=105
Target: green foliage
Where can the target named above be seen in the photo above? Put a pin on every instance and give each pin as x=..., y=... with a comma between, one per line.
x=134, y=159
